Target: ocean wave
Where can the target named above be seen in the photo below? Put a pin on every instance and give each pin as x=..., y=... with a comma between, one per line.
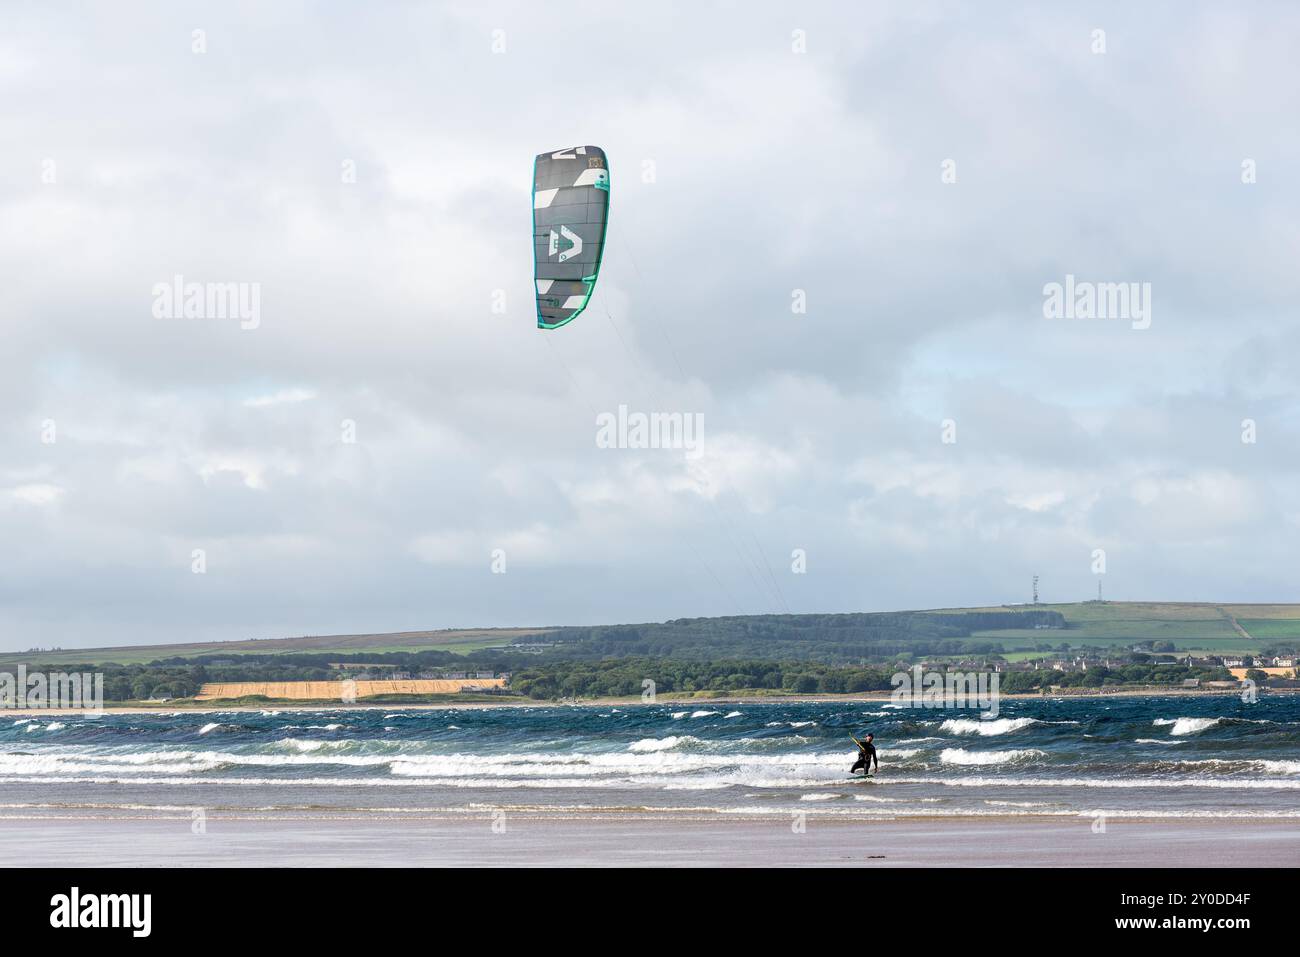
x=1184, y=726
x=1249, y=765
x=907, y=808
x=765, y=743
x=47, y=766
x=662, y=744
x=1226, y=784
x=1021, y=803
x=307, y=746
x=987, y=728
x=964, y=757
x=899, y=754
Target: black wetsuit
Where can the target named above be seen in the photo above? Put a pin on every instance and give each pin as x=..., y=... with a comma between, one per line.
x=866, y=754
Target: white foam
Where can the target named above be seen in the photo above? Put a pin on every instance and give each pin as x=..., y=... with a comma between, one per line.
x=660, y=744
x=986, y=728
x=1182, y=726
x=1019, y=803
x=962, y=756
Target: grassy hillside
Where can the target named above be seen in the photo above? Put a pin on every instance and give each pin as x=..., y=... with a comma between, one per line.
x=1190, y=626
x=457, y=641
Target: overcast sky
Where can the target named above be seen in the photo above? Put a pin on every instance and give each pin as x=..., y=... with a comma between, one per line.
x=742, y=170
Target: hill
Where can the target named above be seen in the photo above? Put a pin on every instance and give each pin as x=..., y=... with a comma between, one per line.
x=1212, y=628
x=456, y=641
x=1016, y=631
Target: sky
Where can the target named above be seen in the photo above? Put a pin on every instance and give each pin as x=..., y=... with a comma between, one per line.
x=831, y=230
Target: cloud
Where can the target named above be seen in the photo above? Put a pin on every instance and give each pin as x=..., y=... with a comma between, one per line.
x=349, y=464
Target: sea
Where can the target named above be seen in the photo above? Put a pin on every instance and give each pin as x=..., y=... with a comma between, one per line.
x=1154, y=757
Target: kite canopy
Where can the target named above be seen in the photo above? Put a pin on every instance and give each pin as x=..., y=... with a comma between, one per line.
x=570, y=204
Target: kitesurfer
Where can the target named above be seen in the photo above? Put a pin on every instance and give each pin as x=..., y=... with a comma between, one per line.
x=866, y=755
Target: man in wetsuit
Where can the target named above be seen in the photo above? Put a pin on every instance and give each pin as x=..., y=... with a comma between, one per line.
x=866, y=754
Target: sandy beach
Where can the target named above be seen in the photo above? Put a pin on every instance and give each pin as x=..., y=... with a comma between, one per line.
x=632, y=841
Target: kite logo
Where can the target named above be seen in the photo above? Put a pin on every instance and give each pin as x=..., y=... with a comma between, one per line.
x=572, y=237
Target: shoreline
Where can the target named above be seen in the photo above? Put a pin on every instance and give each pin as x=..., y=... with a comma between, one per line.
x=866, y=697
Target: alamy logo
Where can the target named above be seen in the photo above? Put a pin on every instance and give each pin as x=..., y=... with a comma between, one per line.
x=654, y=430
x=103, y=910
x=565, y=233
x=951, y=689
x=1080, y=299
x=179, y=299
x=56, y=689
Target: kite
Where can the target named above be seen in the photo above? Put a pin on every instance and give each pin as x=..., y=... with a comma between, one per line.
x=570, y=207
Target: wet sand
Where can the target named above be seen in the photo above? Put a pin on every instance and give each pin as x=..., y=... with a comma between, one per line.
x=374, y=841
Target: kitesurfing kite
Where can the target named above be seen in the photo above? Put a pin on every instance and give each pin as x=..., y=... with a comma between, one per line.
x=570, y=206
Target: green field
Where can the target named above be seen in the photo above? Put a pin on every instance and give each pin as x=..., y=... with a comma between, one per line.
x=1190, y=626
x=1271, y=629
x=455, y=641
